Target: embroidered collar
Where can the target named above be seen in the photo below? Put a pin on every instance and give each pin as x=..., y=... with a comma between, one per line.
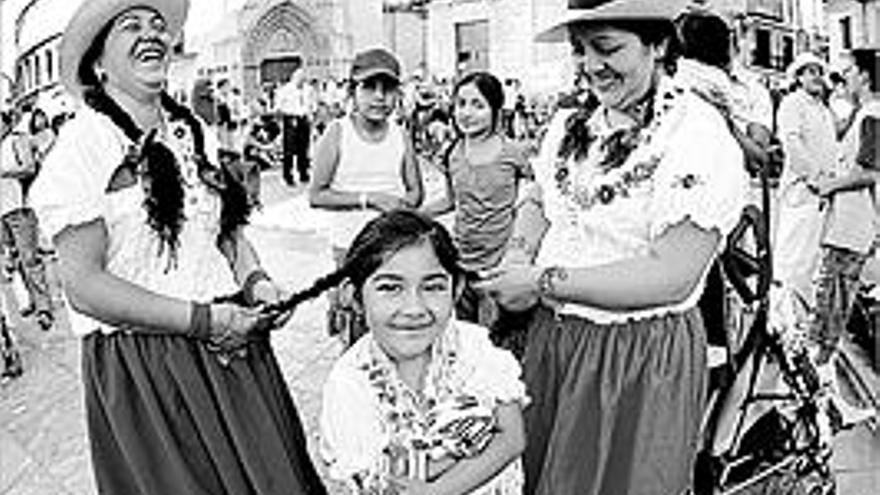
x=403, y=409
x=612, y=156
x=438, y=421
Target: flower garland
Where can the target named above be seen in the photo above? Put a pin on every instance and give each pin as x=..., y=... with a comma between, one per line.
x=403, y=412
x=443, y=421
x=614, y=152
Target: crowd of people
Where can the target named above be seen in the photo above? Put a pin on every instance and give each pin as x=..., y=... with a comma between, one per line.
x=551, y=342
x=26, y=138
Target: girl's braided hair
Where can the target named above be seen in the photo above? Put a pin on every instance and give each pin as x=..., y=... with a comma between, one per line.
x=380, y=239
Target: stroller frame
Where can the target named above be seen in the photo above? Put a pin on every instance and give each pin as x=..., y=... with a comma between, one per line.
x=802, y=450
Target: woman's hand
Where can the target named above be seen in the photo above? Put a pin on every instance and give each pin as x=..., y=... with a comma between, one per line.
x=266, y=292
x=514, y=286
x=232, y=325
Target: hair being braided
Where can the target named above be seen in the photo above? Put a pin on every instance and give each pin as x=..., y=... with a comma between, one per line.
x=374, y=244
x=321, y=285
x=235, y=205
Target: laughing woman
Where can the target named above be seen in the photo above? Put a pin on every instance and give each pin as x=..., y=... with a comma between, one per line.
x=183, y=394
x=615, y=359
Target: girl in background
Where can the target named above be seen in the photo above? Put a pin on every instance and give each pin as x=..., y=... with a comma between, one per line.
x=484, y=171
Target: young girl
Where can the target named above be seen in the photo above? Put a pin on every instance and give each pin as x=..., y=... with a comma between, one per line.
x=422, y=401
x=364, y=164
x=484, y=172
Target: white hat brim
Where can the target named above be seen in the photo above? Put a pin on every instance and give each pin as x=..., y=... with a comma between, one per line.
x=91, y=17
x=611, y=11
x=803, y=60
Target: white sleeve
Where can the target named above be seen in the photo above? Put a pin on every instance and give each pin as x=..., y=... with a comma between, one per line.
x=497, y=375
x=702, y=176
x=351, y=434
x=70, y=188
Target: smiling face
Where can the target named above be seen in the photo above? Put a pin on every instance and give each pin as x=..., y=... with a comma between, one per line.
x=136, y=52
x=618, y=66
x=408, y=301
x=473, y=114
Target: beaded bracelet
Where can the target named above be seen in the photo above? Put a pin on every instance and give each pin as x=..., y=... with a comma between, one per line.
x=200, y=320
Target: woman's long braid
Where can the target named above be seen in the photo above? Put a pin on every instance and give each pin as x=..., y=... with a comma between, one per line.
x=577, y=139
x=164, y=193
x=163, y=182
x=235, y=205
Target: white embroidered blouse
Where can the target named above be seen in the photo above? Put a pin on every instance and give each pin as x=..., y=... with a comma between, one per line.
x=366, y=408
x=685, y=165
x=73, y=188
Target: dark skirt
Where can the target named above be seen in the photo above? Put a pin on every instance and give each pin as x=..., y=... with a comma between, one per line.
x=616, y=409
x=166, y=417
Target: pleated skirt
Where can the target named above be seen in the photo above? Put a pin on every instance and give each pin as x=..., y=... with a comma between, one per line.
x=166, y=417
x=616, y=409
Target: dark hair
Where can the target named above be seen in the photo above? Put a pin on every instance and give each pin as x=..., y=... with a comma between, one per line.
x=85, y=71
x=866, y=60
x=377, y=241
x=651, y=32
x=577, y=138
x=489, y=87
x=163, y=178
x=705, y=37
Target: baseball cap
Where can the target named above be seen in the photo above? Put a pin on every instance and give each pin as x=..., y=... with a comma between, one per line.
x=374, y=62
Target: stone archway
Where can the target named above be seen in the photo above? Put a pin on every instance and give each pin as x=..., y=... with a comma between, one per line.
x=283, y=31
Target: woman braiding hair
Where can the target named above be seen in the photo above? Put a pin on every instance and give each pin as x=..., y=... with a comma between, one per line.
x=183, y=392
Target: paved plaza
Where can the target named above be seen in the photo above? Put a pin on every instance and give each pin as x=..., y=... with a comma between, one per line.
x=42, y=432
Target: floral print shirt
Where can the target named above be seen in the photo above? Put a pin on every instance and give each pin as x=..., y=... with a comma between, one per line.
x=369, y=416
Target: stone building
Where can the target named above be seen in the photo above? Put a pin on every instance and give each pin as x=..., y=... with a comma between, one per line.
x=261, y=44
x=499, y=36
x=852, y=24
x=38, y=25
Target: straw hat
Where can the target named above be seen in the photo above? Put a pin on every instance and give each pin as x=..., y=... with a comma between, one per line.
x=802, y=60
x=91, y=17
x=609, y=10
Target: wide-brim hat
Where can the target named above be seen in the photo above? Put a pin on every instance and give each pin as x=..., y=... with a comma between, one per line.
x=91, y=17
x=609, y=10
x=802, y=60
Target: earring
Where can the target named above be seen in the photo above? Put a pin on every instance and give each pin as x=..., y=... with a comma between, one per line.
x=101, y=74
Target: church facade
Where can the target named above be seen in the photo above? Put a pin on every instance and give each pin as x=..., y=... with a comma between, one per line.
x=259, y=45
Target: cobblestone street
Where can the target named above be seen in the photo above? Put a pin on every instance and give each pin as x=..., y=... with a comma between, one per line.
x=43, y=447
